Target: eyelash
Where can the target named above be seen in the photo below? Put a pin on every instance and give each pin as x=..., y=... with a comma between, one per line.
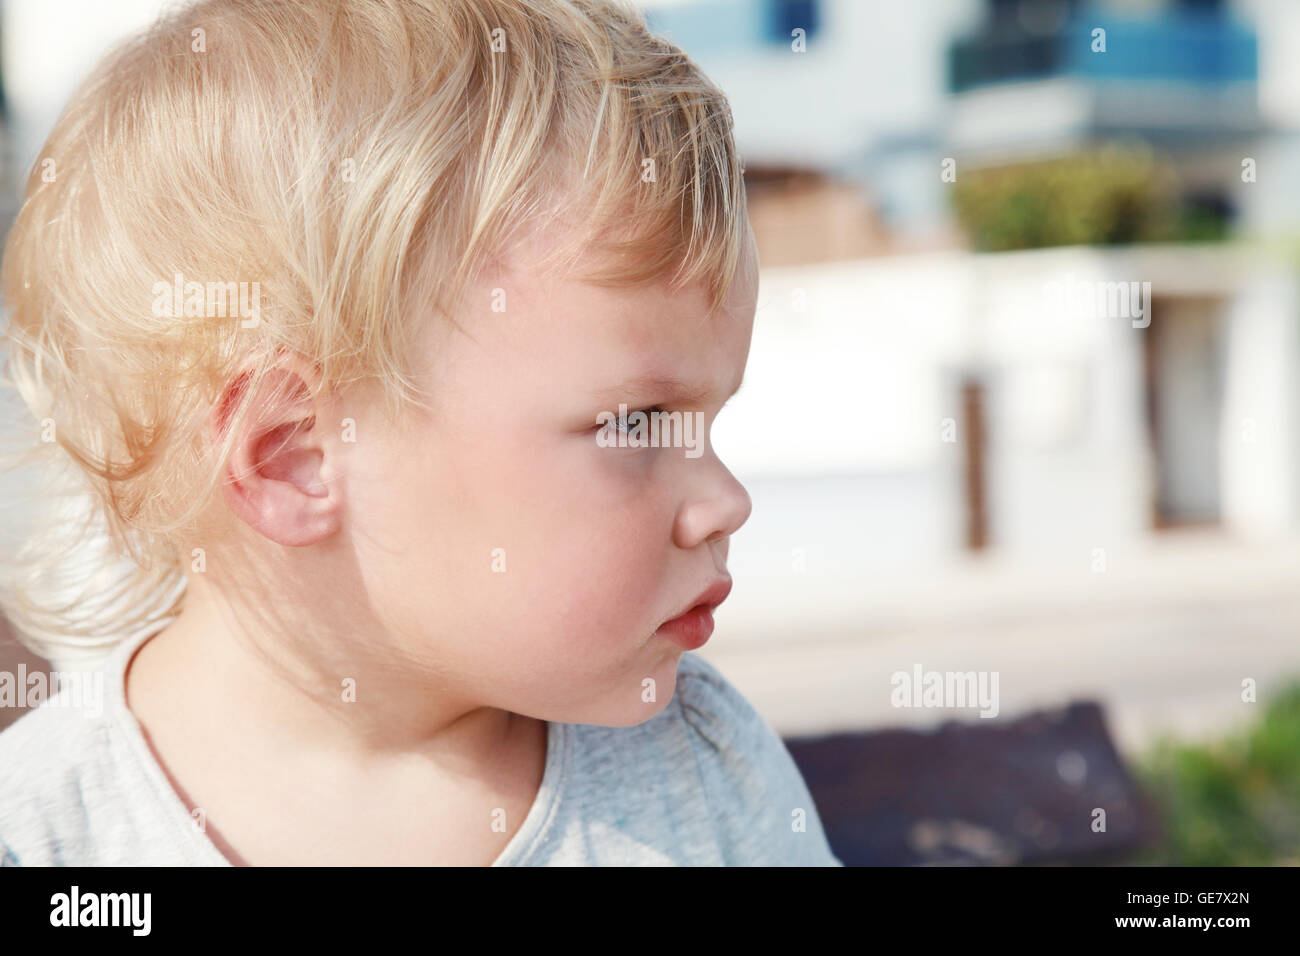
x=623, y=421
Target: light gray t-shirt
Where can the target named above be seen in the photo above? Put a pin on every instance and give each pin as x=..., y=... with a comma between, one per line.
x=705, y=782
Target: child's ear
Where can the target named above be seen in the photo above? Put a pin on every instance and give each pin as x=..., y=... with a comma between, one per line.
x=277, y=480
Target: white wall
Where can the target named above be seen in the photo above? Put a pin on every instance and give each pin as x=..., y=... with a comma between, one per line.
x=837, y=430
x=1261, y=420
x=49, y=47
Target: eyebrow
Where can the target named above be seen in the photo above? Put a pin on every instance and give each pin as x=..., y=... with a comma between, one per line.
x=667, y=386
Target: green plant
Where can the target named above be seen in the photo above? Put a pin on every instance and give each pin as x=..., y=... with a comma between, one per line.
x=1232, y=802
x=1108, y=195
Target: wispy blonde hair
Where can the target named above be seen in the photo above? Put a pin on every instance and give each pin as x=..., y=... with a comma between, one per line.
x=352, y=159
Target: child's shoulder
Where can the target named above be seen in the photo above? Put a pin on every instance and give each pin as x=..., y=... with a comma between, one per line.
x=50, y=766
x=736, y=745
x=713, y=707
x=705, y=781
x=44, y=747
x=757, y=795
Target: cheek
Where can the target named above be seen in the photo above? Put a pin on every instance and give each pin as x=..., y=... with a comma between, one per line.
x=593, y=563
x=527, y=547
x=594, y=579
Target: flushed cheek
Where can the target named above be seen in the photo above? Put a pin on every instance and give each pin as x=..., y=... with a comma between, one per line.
x=596, y=577
x=593, y=590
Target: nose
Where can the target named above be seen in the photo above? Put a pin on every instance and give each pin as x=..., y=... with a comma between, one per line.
x=715, y=511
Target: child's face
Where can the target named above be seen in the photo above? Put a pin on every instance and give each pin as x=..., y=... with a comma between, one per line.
x=528, y=566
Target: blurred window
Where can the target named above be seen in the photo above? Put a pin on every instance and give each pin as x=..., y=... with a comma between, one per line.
x=783, y=16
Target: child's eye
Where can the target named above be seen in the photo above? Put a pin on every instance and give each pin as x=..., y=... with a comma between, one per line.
x=620, y=424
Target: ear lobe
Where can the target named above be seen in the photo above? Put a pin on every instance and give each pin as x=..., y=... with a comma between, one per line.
x=276, y=479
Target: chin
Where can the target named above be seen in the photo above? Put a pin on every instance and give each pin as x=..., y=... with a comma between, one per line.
x=638, y=711
x=639, y=714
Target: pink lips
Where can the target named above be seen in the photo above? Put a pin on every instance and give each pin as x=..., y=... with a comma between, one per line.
x=690, y=629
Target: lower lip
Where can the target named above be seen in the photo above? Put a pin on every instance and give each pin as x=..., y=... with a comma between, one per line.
x=690, y=630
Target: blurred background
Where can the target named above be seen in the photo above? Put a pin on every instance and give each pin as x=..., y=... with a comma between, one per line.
x=1023, y=399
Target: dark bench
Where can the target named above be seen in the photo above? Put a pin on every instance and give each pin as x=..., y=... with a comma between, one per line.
x=982, y=792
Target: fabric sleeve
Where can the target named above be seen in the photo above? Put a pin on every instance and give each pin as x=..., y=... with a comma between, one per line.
x=761, y=807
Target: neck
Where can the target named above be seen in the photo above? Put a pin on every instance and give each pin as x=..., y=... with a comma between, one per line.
x=355, y=699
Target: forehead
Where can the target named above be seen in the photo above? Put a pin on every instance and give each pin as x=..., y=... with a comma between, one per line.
x=576, y=334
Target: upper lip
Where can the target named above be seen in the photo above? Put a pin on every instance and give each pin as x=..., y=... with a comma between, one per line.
x=710, y=597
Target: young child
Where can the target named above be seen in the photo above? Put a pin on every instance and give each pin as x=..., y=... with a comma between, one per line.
x=336, y=313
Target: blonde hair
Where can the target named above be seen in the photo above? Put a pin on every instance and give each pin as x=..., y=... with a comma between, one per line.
x=351, y=159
